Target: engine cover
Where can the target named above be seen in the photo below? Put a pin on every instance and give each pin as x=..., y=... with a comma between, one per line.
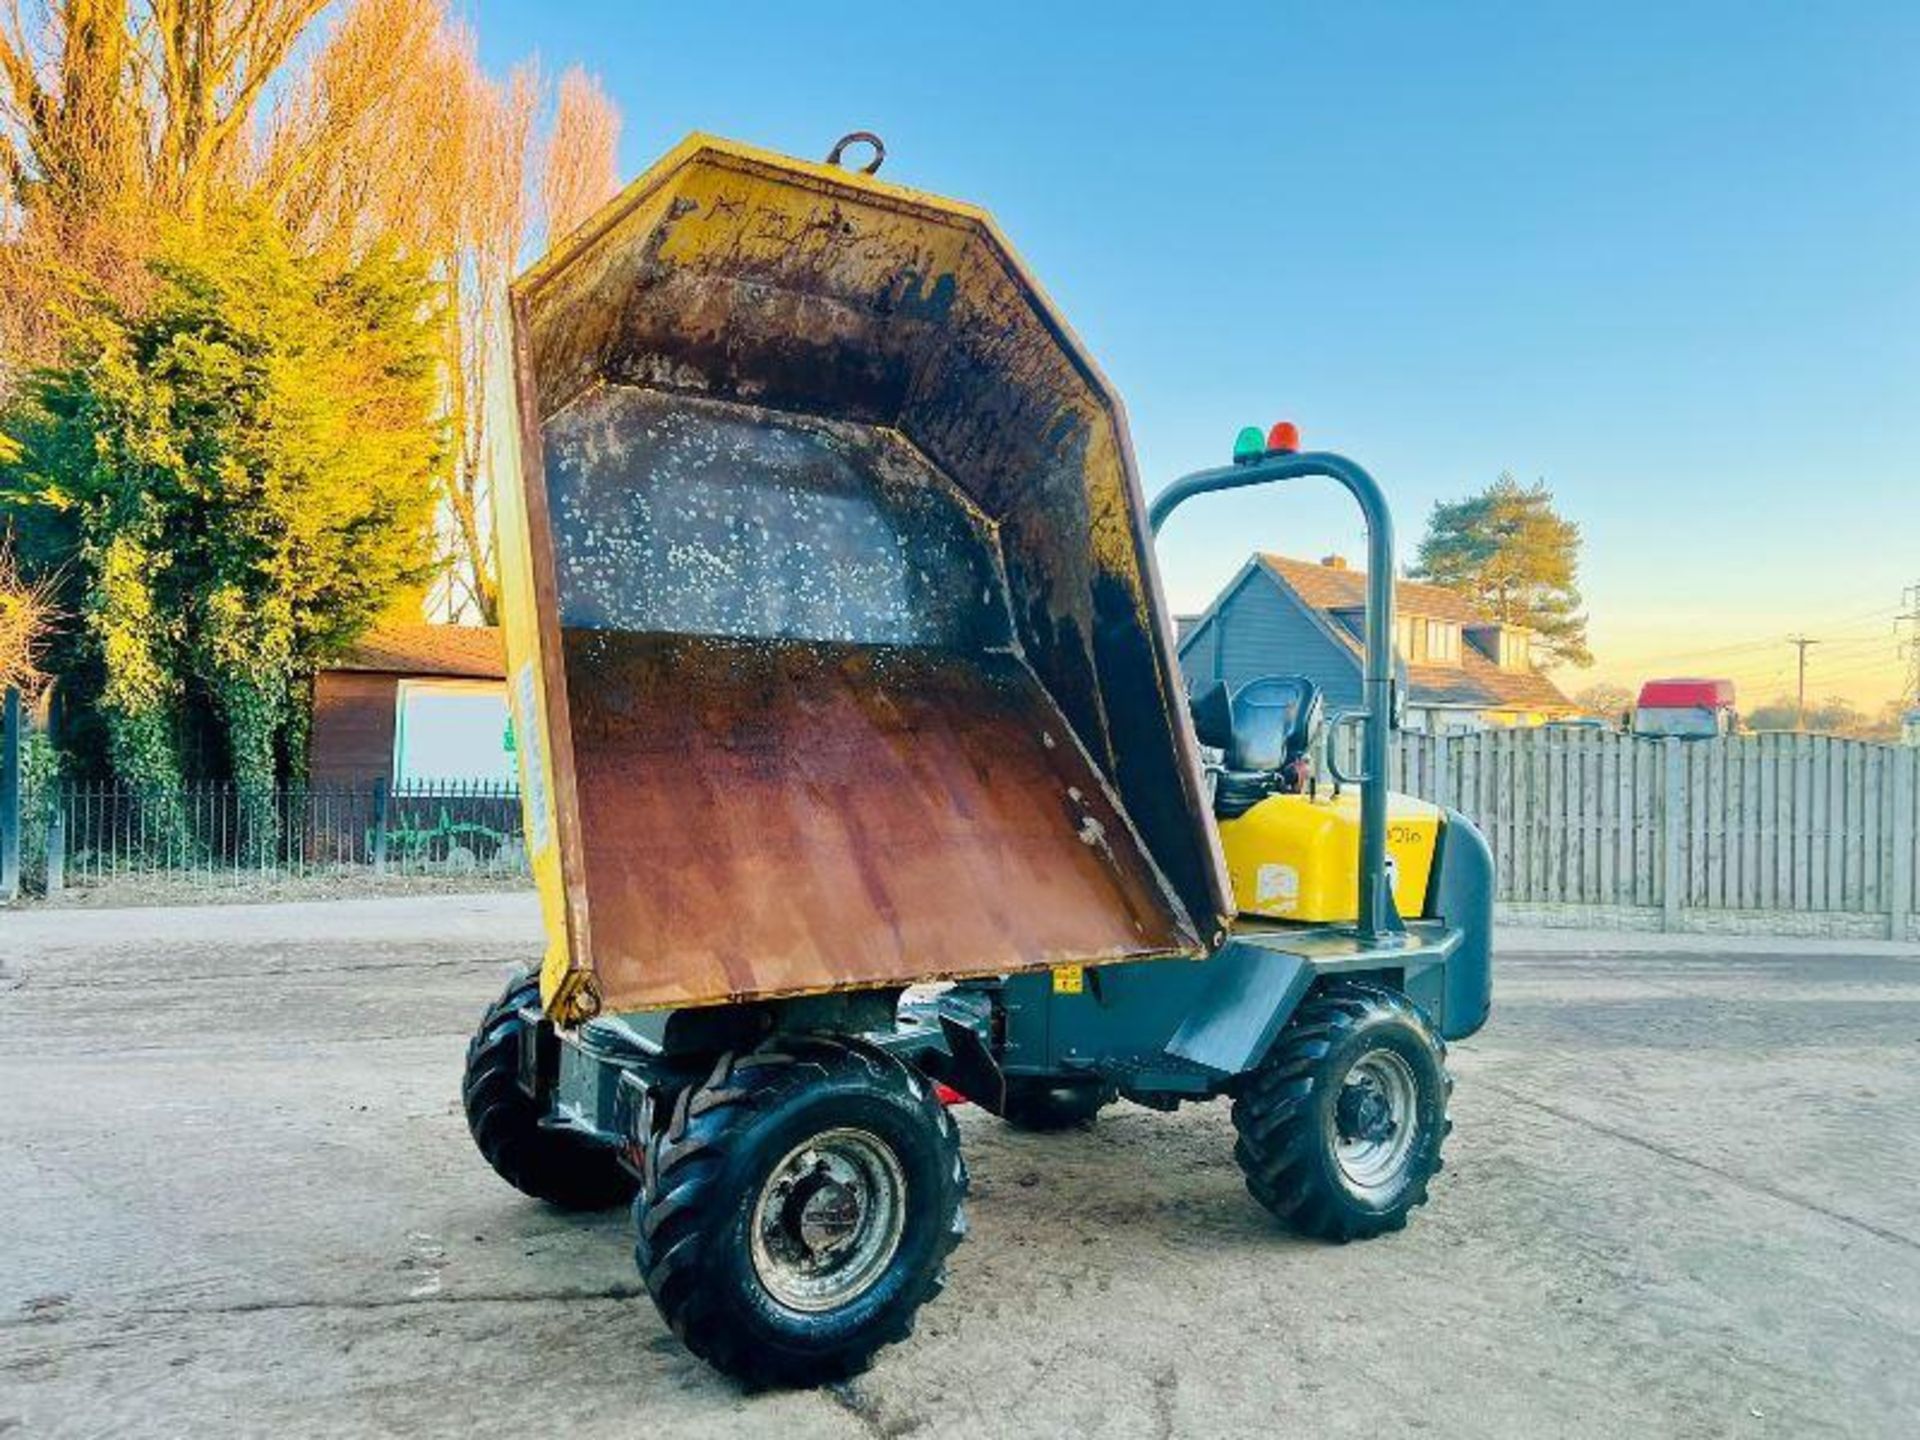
x=1296, y=857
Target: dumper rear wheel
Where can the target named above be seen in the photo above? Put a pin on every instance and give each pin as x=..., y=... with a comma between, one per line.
x=1340, y=1130
x=562, y=1169
x=798, y=1209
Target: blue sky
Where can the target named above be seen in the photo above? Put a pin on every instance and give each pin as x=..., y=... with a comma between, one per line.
x=1666, y=257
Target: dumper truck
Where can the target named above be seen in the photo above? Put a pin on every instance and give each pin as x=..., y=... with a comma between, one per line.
x=859, y=777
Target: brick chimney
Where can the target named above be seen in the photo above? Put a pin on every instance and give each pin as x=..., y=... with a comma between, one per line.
x=1334, y=562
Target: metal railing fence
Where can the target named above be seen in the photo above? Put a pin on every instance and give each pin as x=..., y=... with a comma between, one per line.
x=76, y=834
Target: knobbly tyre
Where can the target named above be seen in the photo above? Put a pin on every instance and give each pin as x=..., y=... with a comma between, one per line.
x=840, y=665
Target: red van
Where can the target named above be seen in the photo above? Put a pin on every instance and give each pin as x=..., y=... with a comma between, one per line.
x=1690, y=709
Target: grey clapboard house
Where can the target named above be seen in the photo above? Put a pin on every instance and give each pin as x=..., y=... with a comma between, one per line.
x=1281, y=616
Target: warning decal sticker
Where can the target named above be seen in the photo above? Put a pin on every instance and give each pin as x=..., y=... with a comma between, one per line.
x=533, y=759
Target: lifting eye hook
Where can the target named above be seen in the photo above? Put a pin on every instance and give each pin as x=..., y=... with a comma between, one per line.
x=859, y=137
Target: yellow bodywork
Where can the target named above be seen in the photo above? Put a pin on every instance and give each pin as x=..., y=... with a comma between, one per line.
x=562, y=989
x=1295, y=857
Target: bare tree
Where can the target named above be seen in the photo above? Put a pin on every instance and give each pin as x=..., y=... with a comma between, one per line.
x=494, y=232
x=1604, y=698
x=206, y=64
x=570, y=171
x=117, y=115
x=396, y=129
x=103, y=100
x=26, y=620
x=67, y=122
x=372, y=138
x=72, y=163
x=580, y=173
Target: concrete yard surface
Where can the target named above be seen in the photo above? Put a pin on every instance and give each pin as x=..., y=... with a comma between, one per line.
x=1682, y=1198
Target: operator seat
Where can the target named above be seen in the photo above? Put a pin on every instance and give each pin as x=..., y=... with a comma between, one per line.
x=1265, y=731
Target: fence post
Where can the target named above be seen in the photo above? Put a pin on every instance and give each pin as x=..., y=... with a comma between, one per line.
x=12, y=782
x=1673, y=832
x=56, y=845
x=1906, y=842
x=380, y=826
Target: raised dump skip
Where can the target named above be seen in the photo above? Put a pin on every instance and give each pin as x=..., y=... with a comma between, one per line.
x=831, y=621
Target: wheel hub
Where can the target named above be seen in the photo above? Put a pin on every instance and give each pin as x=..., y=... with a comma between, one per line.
x=1364, y=1112
x=828, y=1220
x=821, y=1211
x=1374, y=1123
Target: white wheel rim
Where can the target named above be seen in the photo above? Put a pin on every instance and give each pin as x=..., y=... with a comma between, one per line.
x=1373, y=1123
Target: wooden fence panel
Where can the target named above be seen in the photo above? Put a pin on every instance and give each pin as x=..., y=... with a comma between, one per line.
x=1755, y=823
x=1905, y=849
x=1648, y=763
x=1877, y=870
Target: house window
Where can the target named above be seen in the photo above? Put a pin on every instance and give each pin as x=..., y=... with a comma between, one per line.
x=1421, y=641
x=1516, y=650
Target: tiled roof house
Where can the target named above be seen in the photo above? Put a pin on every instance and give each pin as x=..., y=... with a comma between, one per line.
x=1284, y=616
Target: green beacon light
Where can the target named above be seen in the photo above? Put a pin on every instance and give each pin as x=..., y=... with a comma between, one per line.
x=1251, y=445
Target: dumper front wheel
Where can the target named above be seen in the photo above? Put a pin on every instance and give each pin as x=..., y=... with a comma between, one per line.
x=798, y=1209
x=561, y=1168
x=1340, y=1130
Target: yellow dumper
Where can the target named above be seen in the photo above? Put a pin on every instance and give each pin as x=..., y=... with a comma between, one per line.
x=839, y=665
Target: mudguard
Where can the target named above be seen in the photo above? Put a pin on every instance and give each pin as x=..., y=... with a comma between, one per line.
x=1254, y=991
x=1460, y=894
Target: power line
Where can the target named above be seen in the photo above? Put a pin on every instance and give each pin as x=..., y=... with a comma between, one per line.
x=1841, y=662
x=1884, y=659
x=1827, y=682
x=1835, y=633
x=1877, y=676
x=1747, y=664
x=1885, y=640
x=1744, y=645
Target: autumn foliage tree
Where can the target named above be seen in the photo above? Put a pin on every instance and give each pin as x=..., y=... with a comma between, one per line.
x=1516, y=558
x=396, y=130
x=208, y=210
x=114, y=113
x=354, y=122
x=236, y=477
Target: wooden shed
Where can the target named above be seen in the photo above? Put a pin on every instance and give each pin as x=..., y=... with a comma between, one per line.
x=413, y=704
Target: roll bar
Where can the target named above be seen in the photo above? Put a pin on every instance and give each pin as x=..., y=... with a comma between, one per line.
x=1378, y=919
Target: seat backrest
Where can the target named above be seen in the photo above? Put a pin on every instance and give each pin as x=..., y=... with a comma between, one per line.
x=1212, y=707
x=1261, y=726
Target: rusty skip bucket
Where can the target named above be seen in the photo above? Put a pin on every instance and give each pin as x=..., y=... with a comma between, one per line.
x=835, y=648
